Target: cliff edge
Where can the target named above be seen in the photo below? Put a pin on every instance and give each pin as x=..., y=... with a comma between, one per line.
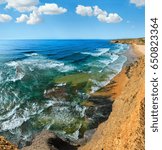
x=124, y=130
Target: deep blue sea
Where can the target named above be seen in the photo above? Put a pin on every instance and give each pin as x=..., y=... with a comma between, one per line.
x=43, y=84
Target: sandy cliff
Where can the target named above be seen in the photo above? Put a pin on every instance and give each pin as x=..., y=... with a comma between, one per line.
x=5, y=145
x=124, y=130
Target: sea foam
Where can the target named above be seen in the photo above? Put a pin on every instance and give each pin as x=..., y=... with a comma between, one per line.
x=97, y=53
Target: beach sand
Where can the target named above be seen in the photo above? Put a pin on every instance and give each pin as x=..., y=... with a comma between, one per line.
x=117, y=84
x=124, y=130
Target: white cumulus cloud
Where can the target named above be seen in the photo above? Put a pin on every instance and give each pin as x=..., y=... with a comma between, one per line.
x=22, y=5
x=110, y=18
x=51, y=9
x=22, y=18
x=101, y=15
x=5, y=18
x=97, y=11
x=35, y=16
x=138, y=3
x=114, y=18
x=84, y=10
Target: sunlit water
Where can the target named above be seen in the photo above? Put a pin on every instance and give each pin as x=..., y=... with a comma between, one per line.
x=28, y=69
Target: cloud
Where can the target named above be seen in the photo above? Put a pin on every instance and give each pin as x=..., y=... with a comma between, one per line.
x=102, y=15
x=97, y=11
x=138, y=3
x=51, y=9
x=110, y=18
x=22, y=18
x=22, y=5
x=5, y=18
x=84, y=10
x=35, y=16
x=114, y=18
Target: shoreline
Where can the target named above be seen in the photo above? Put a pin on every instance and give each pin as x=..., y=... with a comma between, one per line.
x=115, y=133
x=113, y=90
x=118, y=82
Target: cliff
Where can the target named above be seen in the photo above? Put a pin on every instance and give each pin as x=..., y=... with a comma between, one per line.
x=124, y=130
x=5, y=145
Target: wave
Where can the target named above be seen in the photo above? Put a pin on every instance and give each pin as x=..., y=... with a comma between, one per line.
x=99, y=52
x=31, y=54
x=99, y=84
x=9, y=114
x=13, y=123
x=19, y=72
x=1, y=78
x=112, y=58
x=105, y=61
x=27, y=109
x=120, y=48
x=17, y=116
x=32, y=63
x=114, y=67
x=74, y=57
x=118, y=64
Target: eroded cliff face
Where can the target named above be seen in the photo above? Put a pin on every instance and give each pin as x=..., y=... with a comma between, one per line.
x=124, y=130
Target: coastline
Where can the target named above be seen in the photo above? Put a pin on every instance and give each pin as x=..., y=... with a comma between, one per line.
x=114, y=88
x=124, y=129
x=114, y=91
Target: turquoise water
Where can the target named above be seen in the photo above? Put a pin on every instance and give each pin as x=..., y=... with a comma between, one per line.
x=43, y=84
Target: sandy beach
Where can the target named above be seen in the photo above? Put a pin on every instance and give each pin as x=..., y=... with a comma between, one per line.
x=117, y=84
x=124, y=130
x=139, y=49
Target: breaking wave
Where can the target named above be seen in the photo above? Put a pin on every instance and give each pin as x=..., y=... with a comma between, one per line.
x=25, y=75
x=99, y=52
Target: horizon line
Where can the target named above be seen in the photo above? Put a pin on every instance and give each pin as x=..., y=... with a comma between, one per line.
x=73, y=38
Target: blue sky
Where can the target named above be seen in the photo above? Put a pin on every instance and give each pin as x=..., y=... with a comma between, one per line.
x=71, y=19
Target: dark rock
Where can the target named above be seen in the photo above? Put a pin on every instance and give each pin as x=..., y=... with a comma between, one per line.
x=86, y=138
x=56, y=93
x=47, y=140
x=59, y=144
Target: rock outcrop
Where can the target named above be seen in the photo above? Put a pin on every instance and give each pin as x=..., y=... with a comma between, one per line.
x=5, y=145
x=47, y=140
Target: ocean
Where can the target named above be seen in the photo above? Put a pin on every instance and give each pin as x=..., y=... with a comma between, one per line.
x=44, y=84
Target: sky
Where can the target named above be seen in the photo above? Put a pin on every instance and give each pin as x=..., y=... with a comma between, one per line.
x=72, y=19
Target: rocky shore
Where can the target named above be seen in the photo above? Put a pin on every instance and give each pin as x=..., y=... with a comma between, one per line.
x=5, y=145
